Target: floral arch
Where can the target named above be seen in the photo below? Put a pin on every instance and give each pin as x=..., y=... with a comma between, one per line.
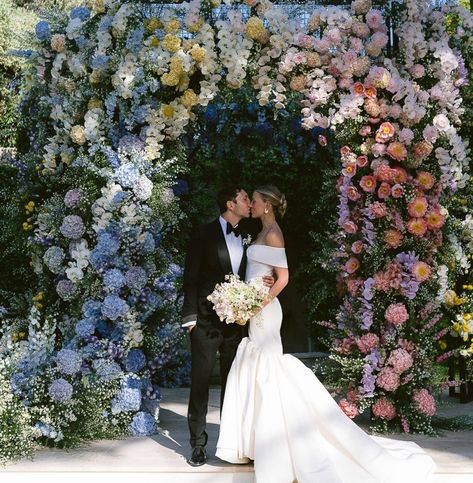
x=110, y=91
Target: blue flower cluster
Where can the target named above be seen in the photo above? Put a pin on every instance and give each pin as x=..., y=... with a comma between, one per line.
x=53, y=258
x=106, y=369
x=135, y=360
x=114, y=280
x=42, y=30
x=60, y=390
x=68, y=361
x=136, y=278
x=48, y=431
x=85, y=327
x=107, y=246
x=127, y=175
x=114, y=307
x=143, y=424
x=92, y=308
x=83, y=13
x=128, y=399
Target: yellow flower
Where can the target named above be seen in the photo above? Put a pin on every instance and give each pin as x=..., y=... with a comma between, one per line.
x=173, y=26
x=39, y=306
x=65, y=157
x=26, y=226
x=177, y=64
x=198, y=53
x=154, y=42
x=168, y=110
x=171, y=43
x=152, y=24
x=98, y=6
x=442, y=344
x=94, y=104
x=456, y=327
x=189, y=98
x=170, y=79
x=458, y=300
x=196, y=26
x=255, y=28
x=467, y=316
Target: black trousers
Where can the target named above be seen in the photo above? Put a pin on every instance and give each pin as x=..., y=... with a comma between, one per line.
x=204, y=346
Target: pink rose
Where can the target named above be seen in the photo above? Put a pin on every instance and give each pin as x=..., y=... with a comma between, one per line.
x=383, y=408
x=350, y=227
x=417, y=71
x=357, y=247
x=348, y=408
x=352, y=265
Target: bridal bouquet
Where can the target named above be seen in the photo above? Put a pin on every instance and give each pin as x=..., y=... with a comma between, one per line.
x=235, y=301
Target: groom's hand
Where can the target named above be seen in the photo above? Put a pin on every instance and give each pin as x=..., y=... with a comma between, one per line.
x=268, y=281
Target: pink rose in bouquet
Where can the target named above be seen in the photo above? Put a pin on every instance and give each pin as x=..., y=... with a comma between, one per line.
x=383, y=408
x=348, y=408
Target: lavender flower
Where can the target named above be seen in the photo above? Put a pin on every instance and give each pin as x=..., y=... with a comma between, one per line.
x=66, y=290
x=68, y=361
x=73, y=197
x=60, y=390
x=113, y=307
x=136, y=278
x=143, y=424
x=368, y=288
x=72, y=227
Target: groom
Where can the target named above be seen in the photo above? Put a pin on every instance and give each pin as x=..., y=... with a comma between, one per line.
x=215, y=250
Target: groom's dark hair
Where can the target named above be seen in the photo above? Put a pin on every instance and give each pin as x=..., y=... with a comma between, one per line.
x=228, y=193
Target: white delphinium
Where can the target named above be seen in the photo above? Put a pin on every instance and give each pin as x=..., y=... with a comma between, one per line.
x=442, y=277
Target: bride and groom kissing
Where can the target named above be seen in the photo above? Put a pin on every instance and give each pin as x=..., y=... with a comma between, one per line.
x=274, y=410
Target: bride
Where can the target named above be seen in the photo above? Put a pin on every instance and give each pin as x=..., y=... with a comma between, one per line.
x=277, y=413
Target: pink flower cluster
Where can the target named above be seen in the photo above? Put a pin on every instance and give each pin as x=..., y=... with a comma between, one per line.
x=400, y=360
x=348, y=408
x=424, y=402
x=388, y=379
x=383, y=408
x=367, y=342
x=396, y=314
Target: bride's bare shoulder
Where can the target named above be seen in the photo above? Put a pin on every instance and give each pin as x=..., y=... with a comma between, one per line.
x=275, y=238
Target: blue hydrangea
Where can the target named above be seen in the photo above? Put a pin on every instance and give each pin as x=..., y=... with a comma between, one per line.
x=108, y=243
x=60, y=390
x=143, y=424
x=148, y=245
x=113, y=307
x=114, y=279
x=53, y=258
x=127, y=400
x=92, y=308
x=127, y=175
x=107, y=370
x=81, y=42
x=119, y=198
x=73, y=197
x=99, y=61
x=68, y=361
x=72, y=227
x=80, y=12
x=42, y=30
x=136, y=278
x=135, y=40
x=66, y=290
x=85, y=327
x=128, y=144
x=135, y=360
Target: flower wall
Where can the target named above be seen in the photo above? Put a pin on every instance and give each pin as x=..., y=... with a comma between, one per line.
x=111, y=90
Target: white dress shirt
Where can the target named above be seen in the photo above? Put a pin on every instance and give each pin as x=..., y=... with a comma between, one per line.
x=235, y=250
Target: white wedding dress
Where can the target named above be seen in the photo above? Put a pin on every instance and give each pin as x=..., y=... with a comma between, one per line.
x=277, y=413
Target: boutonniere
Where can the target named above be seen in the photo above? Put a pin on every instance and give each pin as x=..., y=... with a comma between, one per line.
x=246, y=240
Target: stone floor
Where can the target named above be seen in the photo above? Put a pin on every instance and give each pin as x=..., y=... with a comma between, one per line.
x=161, y=458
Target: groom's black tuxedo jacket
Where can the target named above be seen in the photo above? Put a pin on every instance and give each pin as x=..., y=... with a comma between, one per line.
x=207, y=263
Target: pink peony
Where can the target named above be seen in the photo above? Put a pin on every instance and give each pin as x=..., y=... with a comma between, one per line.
x=424, y=402
x=384, y=173
x=418, y=207
x=385, y=132
x=397, y=151
x=393, y=238
x=374, y=19
x=417, y=71
x=358, y=89
x=383, y=408
x=353, y=193
x=367, y=342
x=348, y=408
x=384, y=191
x=362, y=161
x=350, y=226
x=397, y=191
x=396, y=314
x=401, y=360
x=357, y=247
x=388, y=379
x=349, y=169
x=365, y=131
x=352, y=265
x=378, y=149
x=353, y=286
x=421, y=271
x=435, y=220
x=401, y=175
x=425, y=180
x=417, y=226
x=368, y=184
x=377, y=209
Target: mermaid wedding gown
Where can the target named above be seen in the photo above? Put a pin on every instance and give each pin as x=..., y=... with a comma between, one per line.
x=277, y=413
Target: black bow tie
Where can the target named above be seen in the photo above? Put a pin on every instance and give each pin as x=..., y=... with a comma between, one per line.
x=234, y=229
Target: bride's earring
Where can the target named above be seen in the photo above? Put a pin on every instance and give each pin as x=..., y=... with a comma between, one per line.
x=266, y=211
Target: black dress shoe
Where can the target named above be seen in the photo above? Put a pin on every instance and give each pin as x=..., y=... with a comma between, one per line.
x=198, y=457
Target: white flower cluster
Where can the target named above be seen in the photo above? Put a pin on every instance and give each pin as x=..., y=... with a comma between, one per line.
x=80, y=254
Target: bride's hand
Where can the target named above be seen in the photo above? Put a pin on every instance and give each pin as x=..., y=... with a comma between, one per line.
x=268, y=280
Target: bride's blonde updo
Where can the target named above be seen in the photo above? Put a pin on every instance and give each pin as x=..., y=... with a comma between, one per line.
x=272, y=194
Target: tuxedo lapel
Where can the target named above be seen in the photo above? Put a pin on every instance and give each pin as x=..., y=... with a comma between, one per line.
x=222, y=250
x=242, y=269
